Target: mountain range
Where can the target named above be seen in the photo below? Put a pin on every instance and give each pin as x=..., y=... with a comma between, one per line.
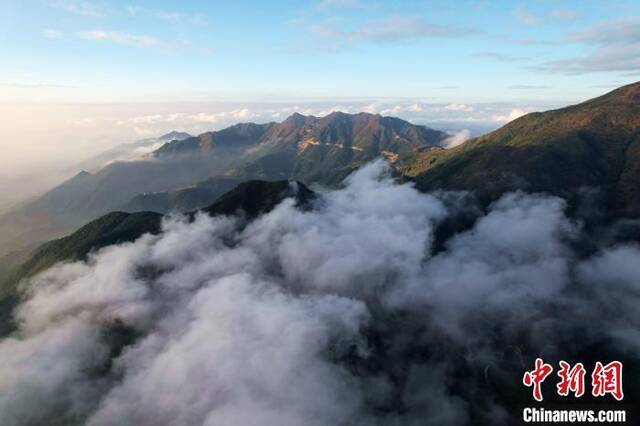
x=536, y=280
x=587, y=151
x=188, y=172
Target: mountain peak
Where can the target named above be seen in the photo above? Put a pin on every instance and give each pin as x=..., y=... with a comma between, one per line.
x=175, y=135
x=236, y=136
x=79, y=178
x=296, y=120
x=338, y=114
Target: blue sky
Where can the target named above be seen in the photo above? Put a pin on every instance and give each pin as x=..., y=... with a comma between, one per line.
x=465, y=51
x=80, y=76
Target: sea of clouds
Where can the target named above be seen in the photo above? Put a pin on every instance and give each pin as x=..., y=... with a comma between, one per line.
x=347, y=313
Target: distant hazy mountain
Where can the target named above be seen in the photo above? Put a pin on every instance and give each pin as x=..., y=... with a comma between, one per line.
x=592, y=146
x=90, y=195
x=130, y=151
x=239, y=135
x=177, y=175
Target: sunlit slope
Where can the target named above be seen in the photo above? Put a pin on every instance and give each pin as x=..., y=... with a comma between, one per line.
x=595, y=144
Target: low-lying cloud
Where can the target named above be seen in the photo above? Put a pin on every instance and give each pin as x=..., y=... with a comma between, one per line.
x=457, y=138
x=358, y=311
x=515, y=113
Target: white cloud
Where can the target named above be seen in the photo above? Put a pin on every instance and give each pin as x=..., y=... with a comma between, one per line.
x=528, y=87
x=52, y=34
x=615, y=47
x=196, y=122
x=394, y=110
x=500, y=57
x=477, y=118
x=142, y=41
x=515, y=113
x=459, y=107
x=390, y=29
x=143, y=119
x=34, y=85
x=335, y=108
x=330, y=4
x=243, y=113
x=204, y=117
x=525, y=16
x=623, y=30
x=81, y=7
x=173, y=17
x=143, y=132
x=457, y=138
x=311, y=318
x=85, y=122
x=565, y=14
x=372, y=108
x=121, y=38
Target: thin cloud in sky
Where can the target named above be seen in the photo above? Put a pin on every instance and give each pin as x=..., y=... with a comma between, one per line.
x=142, y=41
x=52, y=34
x=168, y=16
x=350, y=48
x=525, y=16
x=459, y=107
x=452, y=116
x=617, y=58
x=624, y=30
x=80, y=7
x=615, y=47
x=533, y=42
x=392, y=29
x=90, y=8
x=501, y=57
x=34, y=85
x=528, y=87
x=565, y=14
x=122, y=38
x=528, y=17
x=329, y=4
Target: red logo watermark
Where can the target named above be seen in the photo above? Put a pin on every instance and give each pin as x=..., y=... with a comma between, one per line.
x=605, y=379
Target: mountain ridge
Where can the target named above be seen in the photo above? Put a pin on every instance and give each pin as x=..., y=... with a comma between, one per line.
x=241, y=134
x=593, y=144
x=305, y=148
x=326, y=149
